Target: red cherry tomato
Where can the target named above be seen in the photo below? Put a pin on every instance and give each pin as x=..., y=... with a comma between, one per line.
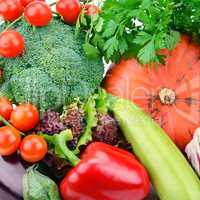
x=11, y=44
x=24, y=117
x=91, y=10
x=5, y=108
x=26, y=2
x=33, y=148
x=69, y=10
x=10, y=9
x=9, y=140
x=38, y=13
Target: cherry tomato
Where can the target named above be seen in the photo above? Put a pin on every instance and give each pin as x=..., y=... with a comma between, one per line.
x=38, y=13
x=69, y=10
x=91, y=10
x=10, y=10
x=33, y=148
x=5, y=108
x=9, y=140
x=24, y=117
x=26, y=2
x=11, y=44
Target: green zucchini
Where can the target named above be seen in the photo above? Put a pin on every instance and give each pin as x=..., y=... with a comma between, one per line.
x=171, y=174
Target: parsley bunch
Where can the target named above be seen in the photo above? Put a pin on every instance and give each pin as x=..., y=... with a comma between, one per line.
x=127, y=28
x=186, y=17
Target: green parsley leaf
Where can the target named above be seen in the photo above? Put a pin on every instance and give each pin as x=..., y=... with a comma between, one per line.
x=172, y=39
x=99, y=26
x=142, y=37
x=110, y=29
x=111, y=46
x=139, y=28
x=147, y=53
x=123, y=46
x=91, y=51
x=146, y=4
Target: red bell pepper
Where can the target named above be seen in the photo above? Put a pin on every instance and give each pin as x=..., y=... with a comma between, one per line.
x=106, y=173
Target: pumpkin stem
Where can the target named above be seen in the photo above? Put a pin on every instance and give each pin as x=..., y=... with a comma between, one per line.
x=167, y=96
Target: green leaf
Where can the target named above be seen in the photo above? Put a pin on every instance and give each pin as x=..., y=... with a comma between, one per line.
x=90, y=51
x=108, y=4
x=91, y=121
x=83, y=19
x=143, y=41
x=38, y=186
x=146, y=4
x=94, y=18
x=121, y=30
x=130, y=3
x=147, y=53
x=110, y=29
x=111, y=46
x=99, y=26
x=172, y=39
x=77, y=28
x=142, y=38
x=123, y=46
x=101, y=101
x=98, y=41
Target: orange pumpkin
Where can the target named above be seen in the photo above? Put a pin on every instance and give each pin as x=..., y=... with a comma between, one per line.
x=169, y=93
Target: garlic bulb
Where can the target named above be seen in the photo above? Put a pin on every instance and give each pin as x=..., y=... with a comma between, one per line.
x=193, y=151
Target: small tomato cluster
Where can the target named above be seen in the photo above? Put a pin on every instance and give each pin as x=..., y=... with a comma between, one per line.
x=37, y=13
x=23, y=117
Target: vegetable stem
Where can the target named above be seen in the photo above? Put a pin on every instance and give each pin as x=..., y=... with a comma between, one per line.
x=55, y=13
x=52, y=4
x=74, y=160
x=2, y=119
x=12, y=23
x=60, y=145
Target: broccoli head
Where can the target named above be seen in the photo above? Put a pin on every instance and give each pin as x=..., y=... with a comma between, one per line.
x=53, y=69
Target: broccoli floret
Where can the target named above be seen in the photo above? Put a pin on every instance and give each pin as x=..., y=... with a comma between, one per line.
x=30, y=85
x=53, y=69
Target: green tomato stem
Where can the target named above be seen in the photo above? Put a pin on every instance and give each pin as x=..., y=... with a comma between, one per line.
x=2, y=119
x=5, y=122
x=55, y=13
x=52, y=4
x=14, y=22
